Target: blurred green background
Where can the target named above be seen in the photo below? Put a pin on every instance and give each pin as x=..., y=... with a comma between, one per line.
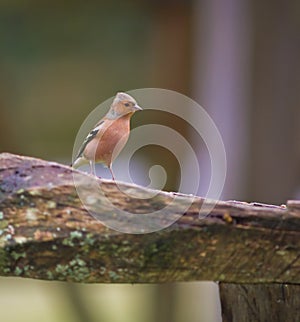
x=238, y=58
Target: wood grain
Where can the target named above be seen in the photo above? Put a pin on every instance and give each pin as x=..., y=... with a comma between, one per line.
x=47, y=233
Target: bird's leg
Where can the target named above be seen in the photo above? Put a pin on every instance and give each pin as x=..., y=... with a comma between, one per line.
x=92, y=167
x=112, y=174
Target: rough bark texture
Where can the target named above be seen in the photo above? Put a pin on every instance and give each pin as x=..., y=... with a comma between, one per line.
x=46, y=233
x=260, y=302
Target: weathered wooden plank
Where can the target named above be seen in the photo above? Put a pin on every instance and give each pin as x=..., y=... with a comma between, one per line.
x=260, y=302
x=46, y=233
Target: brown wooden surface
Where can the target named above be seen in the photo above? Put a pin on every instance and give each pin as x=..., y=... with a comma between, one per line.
x=46, y=233
x=260, y=302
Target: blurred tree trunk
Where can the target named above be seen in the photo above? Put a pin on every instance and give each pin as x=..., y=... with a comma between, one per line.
x=275, y=102
x=222, y=55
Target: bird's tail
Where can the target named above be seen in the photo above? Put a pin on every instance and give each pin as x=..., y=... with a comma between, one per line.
x=79, y=162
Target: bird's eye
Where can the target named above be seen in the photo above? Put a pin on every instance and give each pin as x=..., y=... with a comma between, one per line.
x=127, y=104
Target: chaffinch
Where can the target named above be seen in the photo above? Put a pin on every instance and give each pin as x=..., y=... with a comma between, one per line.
x=109, y=136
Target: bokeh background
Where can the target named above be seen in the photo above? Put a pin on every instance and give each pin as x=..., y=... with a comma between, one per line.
x=239, y=59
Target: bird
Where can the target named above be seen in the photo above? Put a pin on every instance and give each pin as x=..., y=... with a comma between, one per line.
x=109, y=136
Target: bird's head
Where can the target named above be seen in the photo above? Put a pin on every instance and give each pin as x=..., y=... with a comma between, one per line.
x=122, y=104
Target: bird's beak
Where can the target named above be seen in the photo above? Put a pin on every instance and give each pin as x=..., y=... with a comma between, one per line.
x=137, y=108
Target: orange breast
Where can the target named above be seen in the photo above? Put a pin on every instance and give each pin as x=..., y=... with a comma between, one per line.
x=110, y=140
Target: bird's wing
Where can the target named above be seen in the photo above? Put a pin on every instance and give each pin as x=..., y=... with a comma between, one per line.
x=89, y=138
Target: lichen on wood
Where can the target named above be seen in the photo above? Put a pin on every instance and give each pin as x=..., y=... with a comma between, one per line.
x=47, y=233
